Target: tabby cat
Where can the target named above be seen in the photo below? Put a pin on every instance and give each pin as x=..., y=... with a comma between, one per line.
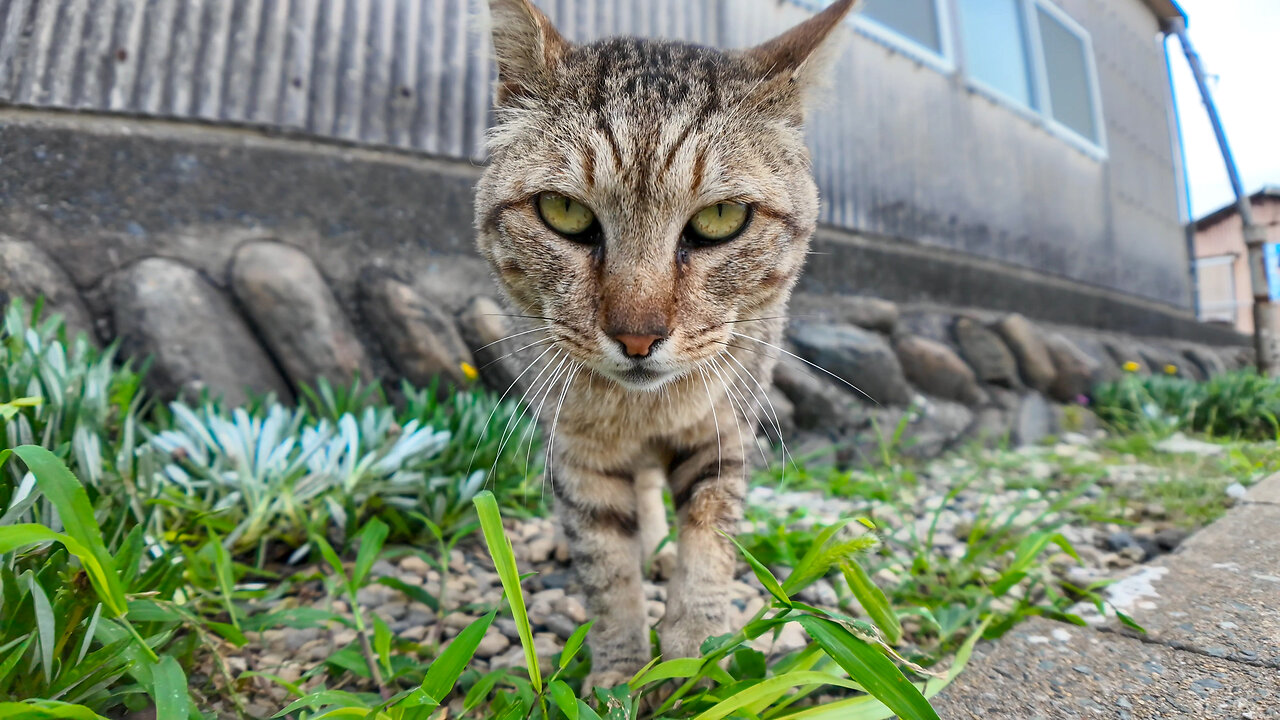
x=650, y=203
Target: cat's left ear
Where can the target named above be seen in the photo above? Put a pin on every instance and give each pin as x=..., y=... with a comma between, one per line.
x=798, y=60
x=528, y=47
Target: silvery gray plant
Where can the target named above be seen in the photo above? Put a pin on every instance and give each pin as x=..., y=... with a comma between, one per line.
x=279, y=471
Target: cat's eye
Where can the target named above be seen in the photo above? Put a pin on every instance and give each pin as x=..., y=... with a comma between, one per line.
x=717, y=223
x=566, y=216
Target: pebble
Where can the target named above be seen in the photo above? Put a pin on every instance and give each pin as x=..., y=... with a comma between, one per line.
x=493, y=643
x=571, y=608
x=1236, y=491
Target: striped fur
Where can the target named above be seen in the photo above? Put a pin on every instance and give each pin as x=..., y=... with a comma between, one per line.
x=646, y=134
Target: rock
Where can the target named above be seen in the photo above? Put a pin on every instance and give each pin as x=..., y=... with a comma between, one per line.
x=452, y=280
x=1180, y=444
x=937, y=370
x=867, y=312
x=493, y=643
x=296, y=314
x=861, y=358
x=29, y=273
x=197, y=341
x=562, y=626
x=1033, y=420
x=1236, y=491
x=1075, y=371
x=493, y=337
x=991, y=359
x=570, y=607
x=928, y=324
x=1164, y=361
x=1027, y=344
x=1118, y=541
x=929, y=428
x=1127, y=357
x=1170, y=538
x=1091, y=345
x=816, y=407
x=420, y=340
x=1207, y=361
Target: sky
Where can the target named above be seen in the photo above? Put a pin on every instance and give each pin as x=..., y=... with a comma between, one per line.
x=1237, y=41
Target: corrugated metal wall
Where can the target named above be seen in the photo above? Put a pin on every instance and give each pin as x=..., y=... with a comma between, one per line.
x=901, y=150
x=412, y=74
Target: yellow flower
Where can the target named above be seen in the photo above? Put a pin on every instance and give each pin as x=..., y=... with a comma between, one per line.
x=1131, y=367
x=1170, y=369
x=469, y=371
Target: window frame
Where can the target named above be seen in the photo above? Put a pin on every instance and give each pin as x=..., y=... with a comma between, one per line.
x=943, y=61
x=1232, y=305
x=952, y=61
x=1044, y=109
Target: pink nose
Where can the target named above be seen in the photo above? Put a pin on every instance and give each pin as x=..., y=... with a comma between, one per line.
x=637, y=345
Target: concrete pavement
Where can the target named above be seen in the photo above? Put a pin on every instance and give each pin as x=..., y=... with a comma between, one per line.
x=1212, y=647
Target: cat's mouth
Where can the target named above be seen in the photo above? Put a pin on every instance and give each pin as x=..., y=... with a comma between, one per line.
x=640, y=377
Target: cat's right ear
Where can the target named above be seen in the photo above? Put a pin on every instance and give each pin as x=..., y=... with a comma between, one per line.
x=528, y=47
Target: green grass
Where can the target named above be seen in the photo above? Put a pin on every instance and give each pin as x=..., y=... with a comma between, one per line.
x=143, y=546
x=1236, y=405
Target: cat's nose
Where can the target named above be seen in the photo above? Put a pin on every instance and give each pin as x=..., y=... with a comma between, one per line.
x=638, y=346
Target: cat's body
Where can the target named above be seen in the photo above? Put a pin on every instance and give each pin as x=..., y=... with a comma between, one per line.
x=650, y=204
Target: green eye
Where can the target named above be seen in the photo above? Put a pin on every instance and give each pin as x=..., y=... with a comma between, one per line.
x=564, y=214
x=719, y=222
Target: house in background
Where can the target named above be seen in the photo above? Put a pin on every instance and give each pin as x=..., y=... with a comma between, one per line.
x=1013, y=155
x=1222, y=269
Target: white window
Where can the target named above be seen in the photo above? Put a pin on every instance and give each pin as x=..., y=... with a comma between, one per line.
x=1030, y=54
x=1216, y=282
x=1070, y=94
x=995, y=47
x=918, y=27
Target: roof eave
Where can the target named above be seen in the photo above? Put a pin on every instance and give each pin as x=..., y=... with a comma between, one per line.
x=1166, y=10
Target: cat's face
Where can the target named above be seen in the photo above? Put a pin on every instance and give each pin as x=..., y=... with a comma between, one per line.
x=645, y=199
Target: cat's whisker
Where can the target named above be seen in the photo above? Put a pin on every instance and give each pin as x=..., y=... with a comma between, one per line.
x=498, y=404
x=764, y=400
x=546, y=395
x=543, y=341
x=806, y=362
x=736, y=400
x=524, y=407
x=537, y=415
x=513, y=335
x=719, y=448
x=746, y=407
x=549, y=463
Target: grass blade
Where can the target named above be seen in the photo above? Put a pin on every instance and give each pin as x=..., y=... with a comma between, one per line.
x=449, y=666
x=870, y=668
x=372, y=537
x=504, y=560
x=763, y=574
x=872, y=599
x=770, y=687
x=565, y=699
x=72, y=502
x=170, y=689
x=46, y=710
x=574, y=644
x=46, y=627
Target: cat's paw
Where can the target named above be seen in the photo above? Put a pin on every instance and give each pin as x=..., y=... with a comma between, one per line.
x=606, y=679
x=662, y=566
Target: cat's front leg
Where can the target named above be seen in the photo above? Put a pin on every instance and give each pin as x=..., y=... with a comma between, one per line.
x=709, y=488
x=599, y=515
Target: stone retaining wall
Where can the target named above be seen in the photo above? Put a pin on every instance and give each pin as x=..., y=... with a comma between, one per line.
x=267, y=315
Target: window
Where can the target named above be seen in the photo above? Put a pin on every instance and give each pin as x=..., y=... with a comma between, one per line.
x=1068, y=73
x=1030, y=54
x=915, y=26
x=995, y=47
x=1216, y=280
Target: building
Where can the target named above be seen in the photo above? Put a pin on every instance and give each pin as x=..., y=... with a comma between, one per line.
x=1222, y=269
x=1003, y=154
